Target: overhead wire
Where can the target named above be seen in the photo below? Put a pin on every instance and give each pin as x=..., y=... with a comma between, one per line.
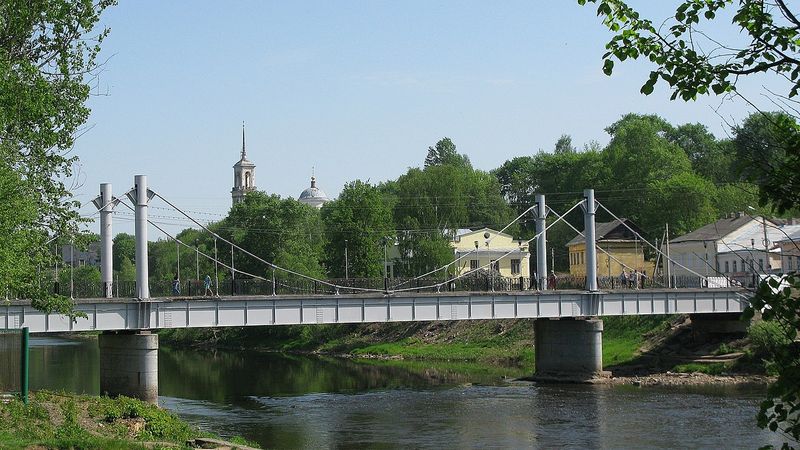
x=471, y=271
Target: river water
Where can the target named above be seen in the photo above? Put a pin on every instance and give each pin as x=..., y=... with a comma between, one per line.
x=288, y=401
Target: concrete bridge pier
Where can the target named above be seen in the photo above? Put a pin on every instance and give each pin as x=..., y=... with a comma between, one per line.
x=129, y=365
x=568, y=350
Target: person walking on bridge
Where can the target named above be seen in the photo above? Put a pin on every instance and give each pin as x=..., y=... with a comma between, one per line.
x=176, y=285
x=207, y=284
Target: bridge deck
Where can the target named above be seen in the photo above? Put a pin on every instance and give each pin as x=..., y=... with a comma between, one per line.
x=177, y=312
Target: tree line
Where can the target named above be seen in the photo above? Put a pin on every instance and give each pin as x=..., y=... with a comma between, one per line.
x=651, y=172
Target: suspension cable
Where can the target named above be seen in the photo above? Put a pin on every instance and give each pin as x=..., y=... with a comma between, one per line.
x=258, y=258
x=471, y=271
x=464, y=255
x=602, y=249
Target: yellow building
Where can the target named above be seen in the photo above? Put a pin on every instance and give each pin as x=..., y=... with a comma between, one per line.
x=487, y=247
x=617, y=247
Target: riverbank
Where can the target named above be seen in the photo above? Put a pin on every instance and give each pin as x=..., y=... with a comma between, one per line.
x=507, y=342
x=61, y=420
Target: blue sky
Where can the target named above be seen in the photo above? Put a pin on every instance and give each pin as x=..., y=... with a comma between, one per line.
x=358, y=90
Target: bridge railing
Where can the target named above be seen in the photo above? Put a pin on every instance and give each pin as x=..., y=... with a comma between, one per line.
x=477, y=282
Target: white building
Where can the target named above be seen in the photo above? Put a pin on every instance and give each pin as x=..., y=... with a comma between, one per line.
x=244, y=176
x=732, y=246
x=313, y=195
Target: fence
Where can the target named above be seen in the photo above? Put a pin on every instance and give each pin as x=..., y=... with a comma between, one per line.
x=481, y=281
x=14, y=362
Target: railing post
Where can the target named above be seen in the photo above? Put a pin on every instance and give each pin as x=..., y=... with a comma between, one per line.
x=541, y=243
x=589, y=209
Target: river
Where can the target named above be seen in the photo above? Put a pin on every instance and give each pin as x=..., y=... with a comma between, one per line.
x=289, y=401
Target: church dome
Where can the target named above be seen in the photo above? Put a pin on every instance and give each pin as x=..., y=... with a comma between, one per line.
x=313, y=196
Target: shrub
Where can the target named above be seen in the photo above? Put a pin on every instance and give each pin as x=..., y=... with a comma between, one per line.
x=767, y=338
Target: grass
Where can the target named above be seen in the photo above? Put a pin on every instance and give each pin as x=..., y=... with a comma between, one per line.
x=57, y=420
x=624, y=335
x=710, y=369
x=457, y=351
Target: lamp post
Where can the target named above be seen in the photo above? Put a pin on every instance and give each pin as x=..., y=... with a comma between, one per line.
x=385, y=269
x=346, y=271
x=197, y=259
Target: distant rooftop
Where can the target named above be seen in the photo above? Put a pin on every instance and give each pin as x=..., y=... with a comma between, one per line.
x=610, y=231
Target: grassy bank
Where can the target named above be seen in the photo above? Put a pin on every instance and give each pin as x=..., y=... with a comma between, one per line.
x=53, y=420
x=508, y=342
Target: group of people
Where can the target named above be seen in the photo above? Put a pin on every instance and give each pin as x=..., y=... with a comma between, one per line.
x=634, y=279
x=176, y=285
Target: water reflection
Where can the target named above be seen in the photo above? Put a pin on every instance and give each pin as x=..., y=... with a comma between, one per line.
x=289, y=401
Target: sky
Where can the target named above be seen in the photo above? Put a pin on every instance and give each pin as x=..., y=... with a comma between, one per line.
x=352, y=89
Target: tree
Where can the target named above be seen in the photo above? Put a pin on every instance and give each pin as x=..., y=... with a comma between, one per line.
x=445, y=154
x=124, y=248
x=693, y=62
x=710, y=158
x=690, y=60
x=282, y=231
x=47, y=61
x=564, y=145
x=360, y=219
x=432, y=203
x=768, y=153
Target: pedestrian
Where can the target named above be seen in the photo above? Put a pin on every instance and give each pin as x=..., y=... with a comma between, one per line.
x=207, y=284
x=176, y=285
x=552, y=280
x=644, y=277
x=623, y=279
x=631, y=279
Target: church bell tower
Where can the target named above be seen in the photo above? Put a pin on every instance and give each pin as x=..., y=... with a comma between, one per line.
x=244, y=173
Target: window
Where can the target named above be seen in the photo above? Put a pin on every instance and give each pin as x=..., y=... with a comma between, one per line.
x=760, y=264
x=727, y=267
x=789, y=263
x=581, y=258
x=473, y=264
x=734, y=266
x=514, y=267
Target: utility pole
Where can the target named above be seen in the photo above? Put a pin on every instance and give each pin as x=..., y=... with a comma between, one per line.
x=197, y=259
x=668, y=260
x=346, y=271
x=552, y=260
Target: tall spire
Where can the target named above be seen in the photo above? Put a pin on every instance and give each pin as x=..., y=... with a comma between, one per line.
x=244, y=152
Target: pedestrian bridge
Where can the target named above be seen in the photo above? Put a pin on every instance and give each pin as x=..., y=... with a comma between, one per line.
x=265, y=310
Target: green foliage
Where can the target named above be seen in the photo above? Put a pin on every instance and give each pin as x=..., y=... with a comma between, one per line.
x=709, y=369
x=86, y=422
x=80, y=274
x=124, y=248
x=685, y=55
x=778, y=299
x=431, y=203
x=361, y=219
x=767, y=338
x=47, y=59
x=445, y=154
x=768, y=154
x=564, y=145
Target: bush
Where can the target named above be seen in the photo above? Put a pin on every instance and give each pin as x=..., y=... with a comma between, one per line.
x=766, y=338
